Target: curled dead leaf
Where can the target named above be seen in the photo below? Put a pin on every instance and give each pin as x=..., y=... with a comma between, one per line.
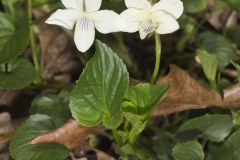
x=186, y=94
x=71, y=134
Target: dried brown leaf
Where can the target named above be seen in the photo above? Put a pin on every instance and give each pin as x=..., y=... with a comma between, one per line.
x=186, y=94
x=71, y=134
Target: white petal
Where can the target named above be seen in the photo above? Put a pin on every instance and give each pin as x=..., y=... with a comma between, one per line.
x=92, y=5
x=167, y=23
x=174, y=7
x=146, y=27
x=64, y=17
x=107, y=21
x=139, y=4
x=84, y=34
x=132, y=17
x=73, y=4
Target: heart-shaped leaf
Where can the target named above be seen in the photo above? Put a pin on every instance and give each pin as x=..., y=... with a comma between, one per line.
x=98, y=94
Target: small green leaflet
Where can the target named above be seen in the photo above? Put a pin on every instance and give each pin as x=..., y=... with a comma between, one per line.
x=142, y=98
x=98, y=94
x=191, y=150
x=20, y=148
x=17, y=74
x=209, y=63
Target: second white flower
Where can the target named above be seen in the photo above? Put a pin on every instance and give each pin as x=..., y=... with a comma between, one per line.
x=143, y=17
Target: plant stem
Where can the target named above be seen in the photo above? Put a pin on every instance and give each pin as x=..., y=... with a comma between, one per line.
x=6, y=68
x=35, y=53
x=158, y=58
x=214, y=85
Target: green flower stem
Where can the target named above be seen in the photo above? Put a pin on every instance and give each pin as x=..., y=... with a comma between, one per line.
x=213, y=84
x=158, y=58
x=35, y=53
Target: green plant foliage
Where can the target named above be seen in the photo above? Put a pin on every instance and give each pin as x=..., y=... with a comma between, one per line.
x=219, y=152
x=237, y=67
x=17, y=74
x=191, y=150
x=35, y=125
x=233, y=33
x=195, y=6
x=48, y=105
x=214, y=127
x=236, y=117
x=219, y=45
x=209, y=63
x=42, y=2
x=99, y=92
x=142, y=98
x=138, y=123
x=229, y=150
x=10, y=5
x=14, y=36
x=234, y=4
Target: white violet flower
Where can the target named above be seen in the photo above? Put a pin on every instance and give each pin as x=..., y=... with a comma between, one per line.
x=143, y=17
x=87, y=16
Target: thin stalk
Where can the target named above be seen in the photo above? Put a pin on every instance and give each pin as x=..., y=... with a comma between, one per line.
x=6, y=68
x=158, y=58
x=35, y=53
x=214, y=85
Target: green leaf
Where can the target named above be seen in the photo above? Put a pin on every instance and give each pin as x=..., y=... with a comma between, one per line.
x=219, y=152
x=234, y=4
x=219, y=45
x=209, y=63
x=17, y=74
x=214, y=127
x=191, y=150
x=142, y=98
x=233, y=33
x=233, y=142
x=138, y=123
x=228, y=151
x=20, y=148
x=10, y=5
x=53, y=106
x=237, y=67
x=14, y=36
x=236, y=117
x=195, y=6
x=99, y=92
